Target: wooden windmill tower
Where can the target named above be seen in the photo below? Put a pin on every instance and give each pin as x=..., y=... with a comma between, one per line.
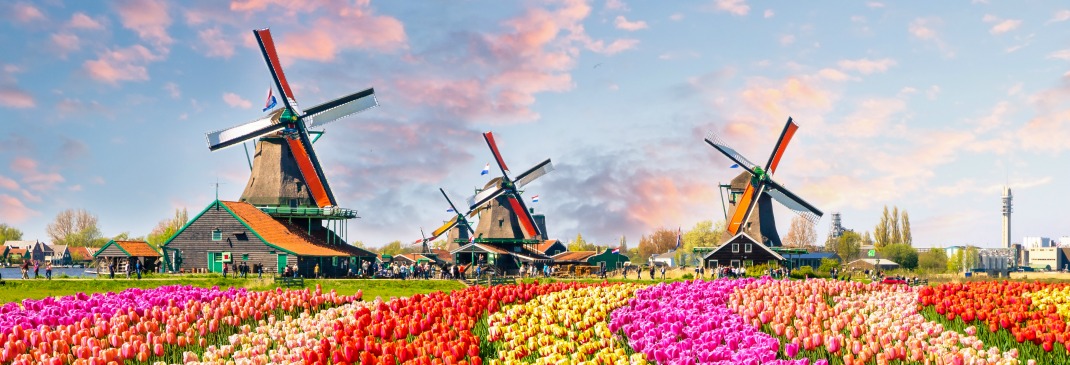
x=752, y=192
x=503, y=216
x=287, y=180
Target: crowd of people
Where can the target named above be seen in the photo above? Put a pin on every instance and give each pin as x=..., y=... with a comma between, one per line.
x=36, y=265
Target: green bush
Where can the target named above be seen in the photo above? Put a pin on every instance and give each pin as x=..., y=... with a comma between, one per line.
x=688, y=276
x=807, y=272
x=760, y=270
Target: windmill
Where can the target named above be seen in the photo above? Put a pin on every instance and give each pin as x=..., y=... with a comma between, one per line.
x=460, y=221
x=506, y=217
x=750, y=192
x=286, y=170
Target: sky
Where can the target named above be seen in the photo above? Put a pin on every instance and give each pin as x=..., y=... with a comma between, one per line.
x=931, y=107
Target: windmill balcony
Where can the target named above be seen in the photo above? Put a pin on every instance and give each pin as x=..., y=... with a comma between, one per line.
x=329, y=213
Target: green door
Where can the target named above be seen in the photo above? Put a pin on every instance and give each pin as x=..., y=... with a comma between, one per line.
x=215, y=262
x=282, y=263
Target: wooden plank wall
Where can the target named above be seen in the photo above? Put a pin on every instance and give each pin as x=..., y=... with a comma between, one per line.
x=196, y=242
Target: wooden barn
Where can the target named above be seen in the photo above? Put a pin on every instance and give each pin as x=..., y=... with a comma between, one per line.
x=123, y=255
x=741, y=250
x=230, y=233
x=550, y=247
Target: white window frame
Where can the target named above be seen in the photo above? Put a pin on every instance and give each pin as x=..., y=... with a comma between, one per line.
x=217, y=235
x=735, y=248
x=736, y=263
x=748, y=248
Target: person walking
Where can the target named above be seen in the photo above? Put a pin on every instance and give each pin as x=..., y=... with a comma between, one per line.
x=111, y=270
x=663, y=273
x=137, y=266
x=36, y=269
x=652, y=272
x=226, y=269
x=259, y=270
x=48, y=270
x=316, y=271
x=25, y=269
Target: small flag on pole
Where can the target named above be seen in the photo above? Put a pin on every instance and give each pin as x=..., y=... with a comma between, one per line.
x=486, y=169
x=734, y=166
x=679, y=239
x=450, y=210
x=616, y=250
x=534, y=198
x=270, y=102
x=473, y=240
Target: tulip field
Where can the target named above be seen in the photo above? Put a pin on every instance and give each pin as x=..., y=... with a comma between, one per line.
x=742, y=321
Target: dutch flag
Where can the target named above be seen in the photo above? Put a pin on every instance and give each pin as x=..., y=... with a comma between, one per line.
x=270, y=102
x=486, y=170
x=616, y=250
x=534, y=198
x=679, y=239
x=449, y=210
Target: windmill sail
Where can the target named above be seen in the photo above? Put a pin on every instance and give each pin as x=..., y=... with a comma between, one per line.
x=340, y=108
x=714, y=140
x=533, y=173
x=793, y=202
x=234, y=135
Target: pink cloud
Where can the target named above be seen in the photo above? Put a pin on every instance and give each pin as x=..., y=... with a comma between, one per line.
x=34, y=178
x=779, y=100
x=126, y=64
x=344, y=27
x=236, y=101
x=867, y=66
x=15, y=98
x=621, y=23
x=66, y=42
x=734, y=7
x=1060, y=16
x=1002, y=25
x=173, y=90
x=13, y=210
x=871, y=118
x=149, y=19
x=26, y=13
x=8, y=183
x=616, y=5
x=81, y=21
x=214, y=44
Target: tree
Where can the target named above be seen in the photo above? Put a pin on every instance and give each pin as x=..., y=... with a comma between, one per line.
x=902, y=254
x=897, y=232
x=703, y=234
x=392, y=249
x=882, y=232
x=9, y=233
x=905, y=231
x=827, y=265
x=847, y=246
x=867, y=239
x=934, y=260
x=168, y=228
x=580, y=244
x=74, y=228
x=125, y=236
x=359, y=244
x=801, y=234
x=661, y=241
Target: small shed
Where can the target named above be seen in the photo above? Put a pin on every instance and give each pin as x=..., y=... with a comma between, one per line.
x=611, y=260
x=873, y=264
x=123, y=255
x=667, y=259
x=573, y=257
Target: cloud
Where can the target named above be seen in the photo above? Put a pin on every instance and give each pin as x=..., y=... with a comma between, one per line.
x=33, y=177
x=8, y=183
x=1060, y=16
x=871, y=118
x=973, y=187
x=617, y=5
x=768, y=13
x=775, y=100
x=867, y=66
x=621, y=23
x=125, y=64
x=1060, y=55
x=994, y=119
x=734, y=7
x=923, y=29
x=81, y=21
x=73, y=149
x=15, y=98
x=172, y=90
x=13, y=210
x=875, y=5
x=676, y=17
x=344, y=27
x=149, y=19
x=1002, y=25
x=787, y=39
x=617, y=46
x=214, y=44
x=25, y=13
x=832, y=74
x=66, y=42
x=236, y=101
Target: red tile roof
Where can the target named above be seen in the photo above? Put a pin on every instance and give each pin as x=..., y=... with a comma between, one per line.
x=414, y=257
x=276, y=233
x=574, y=255
x=18, y=251
x=543, y=246
x=138, y=248
x=84, y=251
x=443, y=255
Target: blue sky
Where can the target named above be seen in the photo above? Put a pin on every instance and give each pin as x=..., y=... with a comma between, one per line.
x=930, y=107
